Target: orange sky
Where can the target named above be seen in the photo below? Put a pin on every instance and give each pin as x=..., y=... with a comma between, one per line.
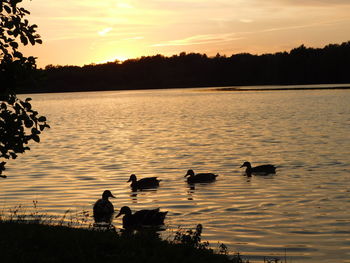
x=79, y=32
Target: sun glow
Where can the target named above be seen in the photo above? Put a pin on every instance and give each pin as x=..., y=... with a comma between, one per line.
x=119, y=58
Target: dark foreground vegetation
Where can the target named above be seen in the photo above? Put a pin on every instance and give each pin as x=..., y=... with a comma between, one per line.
x=23, y=242
x=302, y=65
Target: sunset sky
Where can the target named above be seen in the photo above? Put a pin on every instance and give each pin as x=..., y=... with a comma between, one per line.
x=79, y=32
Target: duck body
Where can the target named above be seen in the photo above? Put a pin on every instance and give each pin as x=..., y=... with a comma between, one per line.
x=152, y=217
x=259, y=170
x=148, y=182
x=200, y=178
x=103, y=209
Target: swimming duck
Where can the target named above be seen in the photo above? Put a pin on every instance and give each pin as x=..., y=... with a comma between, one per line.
x=200, y=178
x=103, y=209
x=148, y=182
x=260, y=170
x=141, y=218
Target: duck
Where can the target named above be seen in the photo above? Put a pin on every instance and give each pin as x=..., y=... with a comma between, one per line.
x=103, y=209
x=141, y=218
x=147, y=182
x=2, y=168
x=259, y=170
x=200, y=178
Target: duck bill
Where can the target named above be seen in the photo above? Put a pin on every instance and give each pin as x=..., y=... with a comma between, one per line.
x=129, y=181
x=112, y=196
x=186, y=175
x=118, y=215
x=241, y=166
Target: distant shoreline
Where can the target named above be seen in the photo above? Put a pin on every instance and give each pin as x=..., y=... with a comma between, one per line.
x=278, y=89
x=241, y=88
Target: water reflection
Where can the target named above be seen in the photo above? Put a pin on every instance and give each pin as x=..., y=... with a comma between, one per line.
x=134, y=192
x=190, y=192
x=199, y=187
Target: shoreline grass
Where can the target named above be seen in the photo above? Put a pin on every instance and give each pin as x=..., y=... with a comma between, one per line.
x=34, y=242
x=35, y=237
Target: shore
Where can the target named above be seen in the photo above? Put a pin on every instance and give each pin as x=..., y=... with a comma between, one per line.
x=278, y=88
x=23, y=242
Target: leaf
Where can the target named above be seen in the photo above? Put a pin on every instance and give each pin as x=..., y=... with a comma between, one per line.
x=24, y=40
x=17, y=54
x=35, y=131
x=35, y=137
x=42, y=119
x=39, y=41
x=27, y=105
x=25, y=11
x=11, y=100
x=31, y=39
x=13, y=155
x=7, y=9
x=28, y=99
x=14, y=44
x=28, y=123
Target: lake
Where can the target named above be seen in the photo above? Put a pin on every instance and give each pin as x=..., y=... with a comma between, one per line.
x=97, y=139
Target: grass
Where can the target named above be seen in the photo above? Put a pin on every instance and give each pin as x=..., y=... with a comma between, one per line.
x=32, y=238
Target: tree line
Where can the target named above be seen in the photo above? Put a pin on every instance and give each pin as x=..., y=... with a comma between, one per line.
x=302, y=65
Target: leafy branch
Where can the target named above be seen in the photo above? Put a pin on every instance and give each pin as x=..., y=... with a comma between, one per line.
x=19, y=123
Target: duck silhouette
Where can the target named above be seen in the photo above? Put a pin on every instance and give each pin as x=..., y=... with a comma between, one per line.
x=200, y=178
x=103, y=209
x=147, y=182
x=259, y=170
x=141, y=218
x=2, y=168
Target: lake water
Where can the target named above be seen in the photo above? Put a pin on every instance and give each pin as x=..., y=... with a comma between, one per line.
x=97, y=139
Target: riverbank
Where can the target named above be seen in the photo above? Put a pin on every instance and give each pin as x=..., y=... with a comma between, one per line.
x=286, y=87
x=23, y=242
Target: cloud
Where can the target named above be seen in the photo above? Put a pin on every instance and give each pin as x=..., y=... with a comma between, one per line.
x=316, y=24
x=244, y=20
x=134, y=38
x=313, y=2
x=199, y=40
x=124, y=5
x=182, y=4
x=105, y=31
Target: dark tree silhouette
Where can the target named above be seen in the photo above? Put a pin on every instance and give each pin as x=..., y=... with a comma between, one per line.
x=302, y=65
x=19, y=123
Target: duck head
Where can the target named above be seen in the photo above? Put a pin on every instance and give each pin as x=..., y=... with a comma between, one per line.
x=132, y=178
x=2, y=168
x=125, y=210
x=246, y=164
x=106, y=194
x=189, y=173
